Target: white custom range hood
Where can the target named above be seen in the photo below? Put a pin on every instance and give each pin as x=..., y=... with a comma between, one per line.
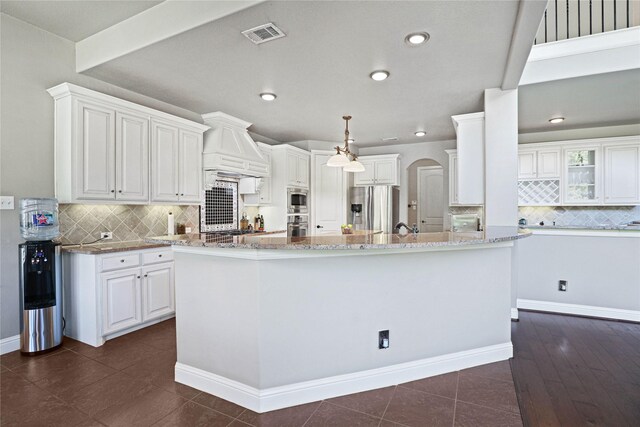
x=229, y=150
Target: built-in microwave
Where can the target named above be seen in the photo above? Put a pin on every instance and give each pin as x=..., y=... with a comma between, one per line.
x=297, y=201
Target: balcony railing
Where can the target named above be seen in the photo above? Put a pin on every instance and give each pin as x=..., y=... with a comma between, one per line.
x=566, y=19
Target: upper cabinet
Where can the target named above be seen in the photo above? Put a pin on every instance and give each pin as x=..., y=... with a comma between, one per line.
x=102, y=147
x=263, y=196
x=378, y=170
x=176, y=164
x=469, y=176
x=621, y=173
x=298, y=168
x=593, y=172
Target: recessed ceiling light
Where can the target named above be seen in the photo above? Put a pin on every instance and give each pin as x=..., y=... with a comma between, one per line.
x=350, y=140
x=268, y=96
x=420, y=133
x=379, y=75
x=556, y=120
x=415, y=39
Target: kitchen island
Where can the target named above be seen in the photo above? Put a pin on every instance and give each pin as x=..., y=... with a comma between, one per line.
x=270, y=321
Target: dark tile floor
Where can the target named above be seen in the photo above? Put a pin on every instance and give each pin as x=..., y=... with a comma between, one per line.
x=129, y=382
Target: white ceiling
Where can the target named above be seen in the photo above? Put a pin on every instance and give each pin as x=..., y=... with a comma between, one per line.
x=320, y=70
x=74, y=20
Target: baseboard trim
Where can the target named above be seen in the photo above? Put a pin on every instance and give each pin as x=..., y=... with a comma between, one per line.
x=9, y=344
x=274, y=398
x=514, y=314
x=580, y=310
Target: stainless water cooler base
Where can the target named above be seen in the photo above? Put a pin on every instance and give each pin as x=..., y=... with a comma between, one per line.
x=41, y=331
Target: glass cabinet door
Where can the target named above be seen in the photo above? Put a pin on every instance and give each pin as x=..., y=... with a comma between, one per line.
x=581, y=177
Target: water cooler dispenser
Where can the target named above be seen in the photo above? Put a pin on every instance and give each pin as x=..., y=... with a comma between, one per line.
x=41, y=322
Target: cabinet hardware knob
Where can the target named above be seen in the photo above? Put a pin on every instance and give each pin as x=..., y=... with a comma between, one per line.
x=119, y=191
x=138, y=277
x=113, y=191
x=160, y=256
x=182, y=194
x=121, y=260
x=319, y=226
x=146, y=275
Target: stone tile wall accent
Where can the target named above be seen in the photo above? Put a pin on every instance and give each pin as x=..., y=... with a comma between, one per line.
x=580, y=215
x=83, y=223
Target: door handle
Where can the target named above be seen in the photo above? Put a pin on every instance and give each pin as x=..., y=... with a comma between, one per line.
x=146, y=275
x=319, y=226
x=423, y=221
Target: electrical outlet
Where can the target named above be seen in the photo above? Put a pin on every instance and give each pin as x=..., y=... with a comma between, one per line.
x=562, y=285
x=7, y=202
x=383, y=339
x=106, y=235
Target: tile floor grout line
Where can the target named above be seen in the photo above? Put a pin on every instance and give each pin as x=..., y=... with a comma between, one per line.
x=313, y=413
x=455, y=400
x=350, y=409
x=388, y=403
x=175, y=410
x=489, y=407
x=426, y=392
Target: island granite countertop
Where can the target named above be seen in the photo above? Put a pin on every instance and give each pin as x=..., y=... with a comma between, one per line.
x=346, y=242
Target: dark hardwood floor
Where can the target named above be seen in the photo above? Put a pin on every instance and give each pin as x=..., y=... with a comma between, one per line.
x=573, y=371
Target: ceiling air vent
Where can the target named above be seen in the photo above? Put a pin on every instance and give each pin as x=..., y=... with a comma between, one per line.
x=391, y=138
x=264, y=33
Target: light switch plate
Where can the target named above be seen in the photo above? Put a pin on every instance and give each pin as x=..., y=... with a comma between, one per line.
x=7, y=202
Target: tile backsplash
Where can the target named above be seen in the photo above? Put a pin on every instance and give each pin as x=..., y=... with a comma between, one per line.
x=84, y=223
x=580, y=215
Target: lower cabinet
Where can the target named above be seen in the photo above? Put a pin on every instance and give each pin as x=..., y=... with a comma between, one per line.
x=112, y=294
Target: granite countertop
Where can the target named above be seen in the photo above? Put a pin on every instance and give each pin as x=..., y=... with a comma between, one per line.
x=105, y=248
x=353, y=241
x=583, y=227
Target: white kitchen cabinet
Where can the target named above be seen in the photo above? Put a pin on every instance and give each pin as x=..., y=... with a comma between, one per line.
x=158, y=291
x=622, y=174
x=527, y=168
x=132, y=157
x=453, y=177
x=538, y=164
x=102, y=150
x=107, y=295
x=297, y=169
x=581, y=175
x=95, y=142
x=378, y=170
x=470, y=150
x=121, y=299
x=263, y=197
x=176, y=164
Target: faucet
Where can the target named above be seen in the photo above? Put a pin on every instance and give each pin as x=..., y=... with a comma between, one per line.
x=413, y=229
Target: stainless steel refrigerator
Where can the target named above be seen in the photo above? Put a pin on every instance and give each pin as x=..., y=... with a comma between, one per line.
x=374, y=208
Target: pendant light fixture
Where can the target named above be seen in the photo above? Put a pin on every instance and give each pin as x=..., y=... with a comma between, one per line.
x=344, y=158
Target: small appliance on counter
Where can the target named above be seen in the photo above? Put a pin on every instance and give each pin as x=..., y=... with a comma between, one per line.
x=465, y=222
x=41, y=321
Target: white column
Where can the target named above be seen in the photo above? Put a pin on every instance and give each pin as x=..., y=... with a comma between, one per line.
x=501, y=157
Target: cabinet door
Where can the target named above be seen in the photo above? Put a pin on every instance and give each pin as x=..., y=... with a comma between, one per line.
x=582, y=176
x=164, y=164
x=190, y=166
x=158, y=295
x=265, y=190
x=132, y=157
x=292, y=170
x=527, y=165
x=368, y=176
x=96, y=152
x=548, y=163
x=121, y=300
x=303, y=171
x=621, y=174
x=453, y=179
x=385, y=172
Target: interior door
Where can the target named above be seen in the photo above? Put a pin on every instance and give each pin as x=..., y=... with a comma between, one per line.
x=430, y=200
x=328, y=195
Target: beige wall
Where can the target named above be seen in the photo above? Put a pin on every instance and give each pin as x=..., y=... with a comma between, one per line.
x=33, y=60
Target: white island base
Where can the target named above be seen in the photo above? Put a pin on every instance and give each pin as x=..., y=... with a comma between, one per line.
x=269, y=329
